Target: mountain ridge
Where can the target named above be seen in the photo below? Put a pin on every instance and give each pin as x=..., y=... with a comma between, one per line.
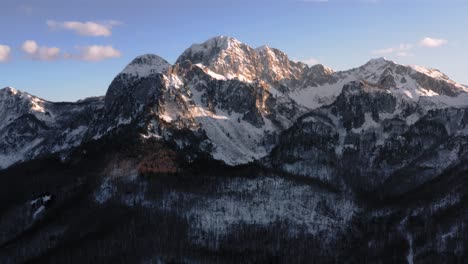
x=276, y=93
x=226, y=43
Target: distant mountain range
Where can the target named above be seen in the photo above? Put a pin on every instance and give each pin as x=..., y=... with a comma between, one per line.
x=236, y=154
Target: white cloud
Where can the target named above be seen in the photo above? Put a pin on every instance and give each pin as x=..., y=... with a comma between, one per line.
x=97, y=53
x=86, y=53
x=42, y=53
x=88, y=28
x=4, y=53
x=404, y=50
x=30, y=46
x=433, y=42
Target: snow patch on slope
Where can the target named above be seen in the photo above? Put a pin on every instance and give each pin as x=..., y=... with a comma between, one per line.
x=211, y=73
x=236, y=141
x=11, y=158
x=315, y=97
x=436, y=74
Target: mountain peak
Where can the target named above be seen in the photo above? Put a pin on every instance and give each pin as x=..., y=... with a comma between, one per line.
x=379, y=61
x=209, y=50
x=145, y=65
x=322, y=68
x=227, y=40
x=231, y=58
x=222, y=42
x=224, y=55
x=10, y=90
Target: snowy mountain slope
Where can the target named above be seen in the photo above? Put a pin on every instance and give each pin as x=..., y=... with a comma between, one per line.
x=32, y=127
x=16, y=103
x=411, y=83
x=367, y=136
x=237, y=117
x=240, y=120
x=276, y=65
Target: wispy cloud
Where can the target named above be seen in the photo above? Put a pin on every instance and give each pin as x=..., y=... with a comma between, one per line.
x=89, y=28
x=42, y=53
x=402, y=50
x=405, y=50
x=97, y=53
x=429, y=42
x=4, y=53
x=85, y=53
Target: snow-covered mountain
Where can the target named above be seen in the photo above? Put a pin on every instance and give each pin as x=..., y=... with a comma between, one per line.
x=231, y=58
x=238, y=119
x=312, y=87
x=370, y=135
x=32, y=127
x=240, y=152
x=407, y=82
x=239, y=97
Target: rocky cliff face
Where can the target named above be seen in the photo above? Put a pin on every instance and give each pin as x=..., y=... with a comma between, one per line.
x=229, y=57
x=241, y=154
x=240, y=120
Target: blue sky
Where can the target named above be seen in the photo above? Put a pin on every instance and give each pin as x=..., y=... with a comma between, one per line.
x=66, y=59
